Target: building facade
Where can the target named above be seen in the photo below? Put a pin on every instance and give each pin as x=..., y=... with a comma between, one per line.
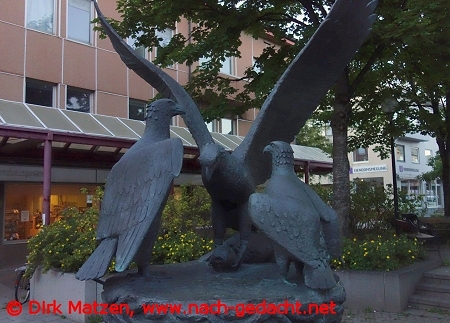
x=412, y=153
x=69, y=109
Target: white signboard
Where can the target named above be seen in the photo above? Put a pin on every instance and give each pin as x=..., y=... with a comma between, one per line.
x=368, y=169
x=24, y=216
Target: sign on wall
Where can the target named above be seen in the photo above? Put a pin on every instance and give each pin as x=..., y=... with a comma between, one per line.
x=368, y=169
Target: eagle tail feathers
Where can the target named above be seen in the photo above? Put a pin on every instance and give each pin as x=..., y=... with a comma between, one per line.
x=98, y=263
x=321, y=277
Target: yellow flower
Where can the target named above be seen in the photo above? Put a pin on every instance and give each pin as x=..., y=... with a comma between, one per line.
x=412, y=257
x=354, y=239
x=387, y=257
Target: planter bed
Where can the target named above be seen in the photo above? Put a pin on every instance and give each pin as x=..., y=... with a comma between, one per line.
x=383, y=290
x=63, y=288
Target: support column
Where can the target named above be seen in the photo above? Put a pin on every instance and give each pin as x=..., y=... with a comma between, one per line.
x=307, y=172
x=47, y=179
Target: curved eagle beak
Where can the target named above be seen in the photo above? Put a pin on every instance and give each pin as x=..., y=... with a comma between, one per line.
x=177, y=110
x=268, y=149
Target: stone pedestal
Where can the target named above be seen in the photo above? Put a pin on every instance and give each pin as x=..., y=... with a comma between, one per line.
x=196, y=293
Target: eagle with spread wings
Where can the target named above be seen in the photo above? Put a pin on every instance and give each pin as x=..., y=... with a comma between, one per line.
x=230, y=178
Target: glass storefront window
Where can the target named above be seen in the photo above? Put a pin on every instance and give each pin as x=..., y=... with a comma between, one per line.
x=23, y=206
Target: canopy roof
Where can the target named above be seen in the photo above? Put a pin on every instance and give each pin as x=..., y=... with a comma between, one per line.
x=87, y=140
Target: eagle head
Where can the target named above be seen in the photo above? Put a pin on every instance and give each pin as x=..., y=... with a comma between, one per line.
x=163, y=109
x=281, y=151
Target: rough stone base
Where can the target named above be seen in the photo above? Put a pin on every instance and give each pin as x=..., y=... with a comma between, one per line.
x=256, y=286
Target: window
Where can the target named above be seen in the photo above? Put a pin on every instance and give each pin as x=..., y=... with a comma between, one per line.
x=428, y=155
x=140, y=50
x=164, y=36
x=211, y=126
x=79, y=20
x=227, y=65
x=372, y=181
x=40, y=15
x=328, y=130
x=38, y=92
x=78, y=100
x=400, y=152
x=23, y=206
x=360, y=154
x=256, y=66
x=415, y=155
x=227, y=126
x=136, y=109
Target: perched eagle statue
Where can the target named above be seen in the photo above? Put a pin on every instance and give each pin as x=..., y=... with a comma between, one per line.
x=230, y=178
x=293, y=216
x=136, y=192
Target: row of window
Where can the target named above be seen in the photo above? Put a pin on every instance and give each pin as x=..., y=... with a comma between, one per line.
x=40, y=15
x=165, y=36
x=362, y=154
x=42, y=93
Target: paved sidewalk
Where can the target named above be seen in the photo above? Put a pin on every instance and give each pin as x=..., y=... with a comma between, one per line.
x=7, y=277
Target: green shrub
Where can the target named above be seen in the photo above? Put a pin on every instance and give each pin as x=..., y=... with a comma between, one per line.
x=66, y=243
x=183, y=216
x=187, y=211
x=379, y=253
x=174, y=247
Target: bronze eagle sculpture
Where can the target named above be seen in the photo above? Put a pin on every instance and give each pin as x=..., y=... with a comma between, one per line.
x=135, y=194
x=230, y=178
x=292, y=215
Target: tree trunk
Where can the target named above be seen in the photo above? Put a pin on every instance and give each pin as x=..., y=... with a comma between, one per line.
x=443, y=141
x=445, y=157
x=341, y=166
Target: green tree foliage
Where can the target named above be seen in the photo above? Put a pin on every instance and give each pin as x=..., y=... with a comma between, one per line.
x=416, y=72
x=311, y=135
x=436, y=172
x=215, y=31
x=372, y=207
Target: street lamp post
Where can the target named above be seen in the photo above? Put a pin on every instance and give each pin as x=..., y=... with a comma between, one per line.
x=388, y=108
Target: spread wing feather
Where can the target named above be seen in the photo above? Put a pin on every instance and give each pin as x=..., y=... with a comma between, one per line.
x=141, y=184
x=161, y=81
x=306, y=81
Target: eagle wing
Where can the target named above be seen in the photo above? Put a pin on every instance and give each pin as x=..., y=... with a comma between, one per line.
x=306, y=81
x=161, y=81
x=136, y=192
x=292, y=226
